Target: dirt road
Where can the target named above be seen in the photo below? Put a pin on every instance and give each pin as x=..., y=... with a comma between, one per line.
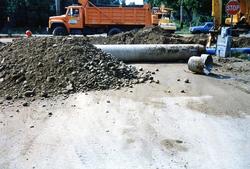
x=149, y=126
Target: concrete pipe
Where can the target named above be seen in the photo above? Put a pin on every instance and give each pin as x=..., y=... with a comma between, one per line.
x=202, y=64
x=153, y=52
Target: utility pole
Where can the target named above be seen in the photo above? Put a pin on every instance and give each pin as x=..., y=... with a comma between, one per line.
x=181, y=14
x=58, y=7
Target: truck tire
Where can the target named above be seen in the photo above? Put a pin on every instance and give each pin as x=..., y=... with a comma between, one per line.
x=114, y=31
x=59, y=31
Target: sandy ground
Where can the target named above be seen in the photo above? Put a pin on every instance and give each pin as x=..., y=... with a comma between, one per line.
x=149, y=126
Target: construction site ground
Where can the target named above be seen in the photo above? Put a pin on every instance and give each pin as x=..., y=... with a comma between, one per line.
x=202, y=124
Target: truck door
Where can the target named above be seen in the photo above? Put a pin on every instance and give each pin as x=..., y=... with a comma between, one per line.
x=74, y=18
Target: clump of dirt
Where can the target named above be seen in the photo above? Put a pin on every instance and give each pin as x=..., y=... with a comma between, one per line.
x=149, y=35
x=241, y=42
x=51, y=66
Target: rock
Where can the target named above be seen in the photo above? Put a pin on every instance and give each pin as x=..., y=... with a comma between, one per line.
x=25, y=104
x=157, y=81
x=183, y=91
x=29, y=93
x=61, y=60
x=50, y=114
x=153, y=73
x=44, y=94
x=40, y=64
x=108, y=101
x=156, y=70
x=186, y=80
x=141, y=80
x=32, y=126
x=70, y=87
x=178, y=80
x=51, y=79
x=140, y=69
x=8, y=97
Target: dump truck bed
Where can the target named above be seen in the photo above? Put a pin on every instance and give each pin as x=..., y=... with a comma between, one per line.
x=140, y=16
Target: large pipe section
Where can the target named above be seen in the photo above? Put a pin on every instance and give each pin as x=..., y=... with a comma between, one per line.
x=153, y=52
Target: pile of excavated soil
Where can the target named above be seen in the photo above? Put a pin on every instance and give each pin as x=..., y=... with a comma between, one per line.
x=241, y=42
x=51, y=66
x=149, y=35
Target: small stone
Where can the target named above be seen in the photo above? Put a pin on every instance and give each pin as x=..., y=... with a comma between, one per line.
x=107, y=131
x=11, y=116
x=44, y=94
x=107, y=111
x=32, y=126
x=156, y=70
x=186, y=80
x=151, y=78
x=183, y=91
x=153, y=73
x=178, y=80
x=169, y=91
x=70, y=87
x=55, y=45
x=25, y=104
x=131, y=91
x=8, y=97
x=140, y=69
x=60, y=60
x=179, y=141
x=39, y=64
x=141, y=80
x=17, y=110
x=108, y=101
x=157, y=81
x=1, y=102
x=29, y=93
x=50, y=114
x=51, y=79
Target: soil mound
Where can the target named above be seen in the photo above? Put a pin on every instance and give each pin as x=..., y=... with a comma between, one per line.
x=241, y=42
x=149, y=35
x=51, y=66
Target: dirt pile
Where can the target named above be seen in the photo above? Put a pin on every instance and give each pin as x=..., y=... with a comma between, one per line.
x=149, y=35
x=241, y=42
x=51, y=66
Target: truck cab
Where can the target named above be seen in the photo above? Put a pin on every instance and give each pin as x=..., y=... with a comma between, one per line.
x=64, y=24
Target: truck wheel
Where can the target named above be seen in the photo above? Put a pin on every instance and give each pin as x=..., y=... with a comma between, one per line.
x=114, y=31
x=59, y=31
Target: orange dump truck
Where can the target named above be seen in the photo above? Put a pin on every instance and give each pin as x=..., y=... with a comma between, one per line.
x=90, y=19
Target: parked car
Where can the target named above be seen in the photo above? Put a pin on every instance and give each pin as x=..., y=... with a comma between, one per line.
x=202, y=29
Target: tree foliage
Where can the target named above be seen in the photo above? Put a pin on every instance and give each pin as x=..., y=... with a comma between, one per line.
x=35, y=13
